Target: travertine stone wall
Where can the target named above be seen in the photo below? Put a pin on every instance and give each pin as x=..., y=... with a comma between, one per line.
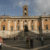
x=14, y=22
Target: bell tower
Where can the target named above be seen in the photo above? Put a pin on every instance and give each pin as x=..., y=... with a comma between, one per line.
x=25, y=10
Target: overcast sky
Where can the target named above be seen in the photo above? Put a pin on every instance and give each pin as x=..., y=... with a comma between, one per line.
x=14, y=7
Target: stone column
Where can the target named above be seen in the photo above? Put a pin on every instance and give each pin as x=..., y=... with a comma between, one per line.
x=29, y=25
x=15, y=25
x=21, y=25
x=35, y=25
x=8, y=34
x=42, y=24
x=8, y=25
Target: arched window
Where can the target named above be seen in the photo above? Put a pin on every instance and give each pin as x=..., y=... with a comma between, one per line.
x=18, y=21
x=46, y=20
x=25, y=9
x=25, y=20
x=25, y=14
x=32, y=21
x=3, y=27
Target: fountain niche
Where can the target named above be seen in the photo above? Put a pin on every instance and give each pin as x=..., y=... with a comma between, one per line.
x=25, y=28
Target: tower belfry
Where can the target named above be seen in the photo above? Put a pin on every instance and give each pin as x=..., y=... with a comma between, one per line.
x=25, y=10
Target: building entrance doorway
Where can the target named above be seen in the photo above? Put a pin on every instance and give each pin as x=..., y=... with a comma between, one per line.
x=26, y=28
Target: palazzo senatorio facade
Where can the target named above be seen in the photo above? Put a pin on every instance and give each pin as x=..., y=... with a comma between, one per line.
x=11, y=25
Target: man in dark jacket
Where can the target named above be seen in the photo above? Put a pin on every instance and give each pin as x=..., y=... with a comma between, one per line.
x=31, y=43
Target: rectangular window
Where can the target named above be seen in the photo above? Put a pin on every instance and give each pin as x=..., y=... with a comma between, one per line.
x=39, y=28
x=17, y=27
x=32, y=27
x=11, y=28
x=46, y=27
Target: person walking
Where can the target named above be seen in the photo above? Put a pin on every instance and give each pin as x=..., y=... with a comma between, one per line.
x=28, y=42
x=14, y=38
x=31, y=43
